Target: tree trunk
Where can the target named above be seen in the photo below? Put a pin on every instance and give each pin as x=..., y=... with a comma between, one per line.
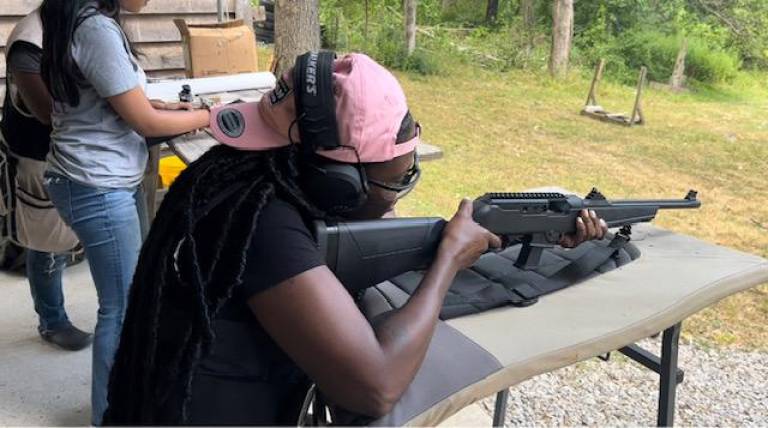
x=492, y=11
x=410, y=25
x=678, y=75
x=297, y=30
x=562, y=35
x=365, y=31
x=528, y=11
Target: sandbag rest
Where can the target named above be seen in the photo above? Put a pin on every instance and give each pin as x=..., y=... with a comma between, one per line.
x=494, y=280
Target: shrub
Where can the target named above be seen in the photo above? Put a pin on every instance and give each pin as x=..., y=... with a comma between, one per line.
x=658, y=52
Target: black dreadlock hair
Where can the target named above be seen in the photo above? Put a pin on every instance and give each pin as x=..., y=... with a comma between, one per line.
x=193, y=258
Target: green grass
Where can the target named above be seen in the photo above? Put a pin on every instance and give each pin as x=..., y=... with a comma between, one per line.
x=516, y=130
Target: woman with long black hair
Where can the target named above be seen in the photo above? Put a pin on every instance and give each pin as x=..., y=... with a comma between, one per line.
x=100, y=119
x=233, y=309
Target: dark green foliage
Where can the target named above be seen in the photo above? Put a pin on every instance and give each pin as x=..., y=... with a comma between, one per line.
x=723, y=35
x=658, y=52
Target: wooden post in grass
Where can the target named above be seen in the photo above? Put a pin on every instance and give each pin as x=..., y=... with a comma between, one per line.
x=592, y=97
x=637, y=111
x=595, y=111
x=678, y=75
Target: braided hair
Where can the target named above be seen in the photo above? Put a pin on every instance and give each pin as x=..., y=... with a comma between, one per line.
x=193, y=258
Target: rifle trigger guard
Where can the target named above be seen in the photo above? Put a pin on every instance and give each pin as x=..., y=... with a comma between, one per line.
x=553, y=237
x=625, y=232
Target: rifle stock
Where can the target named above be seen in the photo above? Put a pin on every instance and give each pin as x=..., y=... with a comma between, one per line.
x=365, y=253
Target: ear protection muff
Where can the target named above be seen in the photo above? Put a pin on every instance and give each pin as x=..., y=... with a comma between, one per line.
x=334, y=187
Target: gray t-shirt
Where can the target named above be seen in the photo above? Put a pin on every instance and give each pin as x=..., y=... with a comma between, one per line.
x=91, y=143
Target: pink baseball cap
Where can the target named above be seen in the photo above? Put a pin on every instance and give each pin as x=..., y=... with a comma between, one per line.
x=370, y=109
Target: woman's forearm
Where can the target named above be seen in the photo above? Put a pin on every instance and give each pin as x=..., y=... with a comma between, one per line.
x=404, y=334
x=134, y=107
x=173, y=122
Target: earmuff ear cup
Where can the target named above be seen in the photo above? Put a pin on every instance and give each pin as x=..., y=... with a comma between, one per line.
x=333, y=187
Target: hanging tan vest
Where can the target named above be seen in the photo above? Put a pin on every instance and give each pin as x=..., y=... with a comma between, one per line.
x=32, y=220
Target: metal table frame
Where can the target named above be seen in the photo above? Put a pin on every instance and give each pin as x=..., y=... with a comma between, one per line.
x=666, y=366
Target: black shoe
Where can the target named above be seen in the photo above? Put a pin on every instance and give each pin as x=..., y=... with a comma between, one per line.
x=70, y=338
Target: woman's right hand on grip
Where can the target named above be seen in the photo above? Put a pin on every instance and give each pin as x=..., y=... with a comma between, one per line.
x=464, y=241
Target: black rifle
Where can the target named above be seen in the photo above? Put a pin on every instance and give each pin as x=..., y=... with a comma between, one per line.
x=365, y=253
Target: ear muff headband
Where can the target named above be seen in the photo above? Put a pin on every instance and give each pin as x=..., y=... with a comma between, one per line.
x=334, y=187
x=315, y=102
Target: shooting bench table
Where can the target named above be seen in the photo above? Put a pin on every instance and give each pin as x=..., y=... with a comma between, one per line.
x=475, y=356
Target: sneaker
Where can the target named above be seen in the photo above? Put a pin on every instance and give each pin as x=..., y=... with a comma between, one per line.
x=70, y=338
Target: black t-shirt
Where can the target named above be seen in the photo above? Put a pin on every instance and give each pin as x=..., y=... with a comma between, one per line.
x=247, y=379
x=26, y=136
x=25, y=57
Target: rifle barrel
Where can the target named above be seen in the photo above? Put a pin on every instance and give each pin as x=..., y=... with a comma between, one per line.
x=661, y=203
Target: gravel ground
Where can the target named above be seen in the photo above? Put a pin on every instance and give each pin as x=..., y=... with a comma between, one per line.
x=721, y=388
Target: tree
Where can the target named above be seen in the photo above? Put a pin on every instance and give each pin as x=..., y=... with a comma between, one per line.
x=410, y=25
x=492, y=11
x=528, y=12
x=562, y=36
x=678, y=75
x=297, y=30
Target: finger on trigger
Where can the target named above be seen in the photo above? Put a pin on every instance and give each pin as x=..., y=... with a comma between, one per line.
x=596, y=222
x=589, y=228
x=581, y=229
x=493, y=240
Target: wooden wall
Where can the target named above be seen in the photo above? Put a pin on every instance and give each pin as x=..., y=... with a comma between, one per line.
x=152, y=30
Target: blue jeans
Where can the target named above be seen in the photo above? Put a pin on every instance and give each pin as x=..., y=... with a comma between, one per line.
x=44, y=271
x=110, y=224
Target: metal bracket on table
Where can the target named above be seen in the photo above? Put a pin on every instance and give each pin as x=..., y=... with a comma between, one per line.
x=666, y=366
x=499, y=411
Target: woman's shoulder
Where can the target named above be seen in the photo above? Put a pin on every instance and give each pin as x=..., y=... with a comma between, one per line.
x=281, y=247
x=280, y=213
x=97, y=23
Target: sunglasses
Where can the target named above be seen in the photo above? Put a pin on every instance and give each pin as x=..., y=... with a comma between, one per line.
x=406, y=184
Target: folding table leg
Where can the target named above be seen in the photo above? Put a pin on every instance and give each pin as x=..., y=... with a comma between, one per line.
x=668, y=372
x=500, y=408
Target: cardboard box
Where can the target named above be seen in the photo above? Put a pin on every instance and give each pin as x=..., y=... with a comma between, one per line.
x=218, y=49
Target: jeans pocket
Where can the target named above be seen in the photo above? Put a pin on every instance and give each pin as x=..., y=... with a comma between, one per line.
x=59, y=193
x=52, y=179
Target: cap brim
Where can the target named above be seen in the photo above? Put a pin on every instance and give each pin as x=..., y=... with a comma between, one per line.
x=241, y=126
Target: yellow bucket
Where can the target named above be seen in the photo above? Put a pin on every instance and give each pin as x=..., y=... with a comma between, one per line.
x=170, y=168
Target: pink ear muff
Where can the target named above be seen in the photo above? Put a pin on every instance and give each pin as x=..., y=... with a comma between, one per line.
x=241, y=125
